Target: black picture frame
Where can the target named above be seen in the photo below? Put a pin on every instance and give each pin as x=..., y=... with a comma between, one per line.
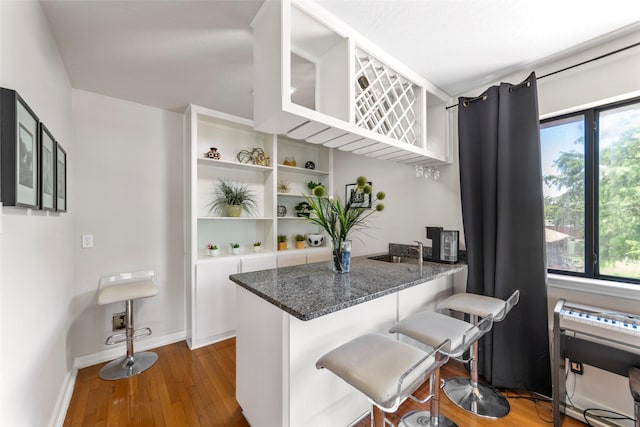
x=61, y=178
x=19, y=152
x=47, y=169
x=357, y=199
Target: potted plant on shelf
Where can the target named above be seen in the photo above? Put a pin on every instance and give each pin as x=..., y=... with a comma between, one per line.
x=312, y=185
x=257, y=246
x=339, y=219
x=282, y=242
x=231, y=198
x=212, y=250
x=299, y=241
x=303, y=209
x=235, y=248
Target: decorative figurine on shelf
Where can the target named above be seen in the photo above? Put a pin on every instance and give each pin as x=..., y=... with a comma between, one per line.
x=309, y=165
x=213, y=154
x=284, y=186
x=260, y=158
x=303, y=209
x=289, y=161
x=257, y=156
x=282, y=211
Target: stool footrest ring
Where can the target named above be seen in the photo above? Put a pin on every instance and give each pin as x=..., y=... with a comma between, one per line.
x=122, y=337
x=423, y=418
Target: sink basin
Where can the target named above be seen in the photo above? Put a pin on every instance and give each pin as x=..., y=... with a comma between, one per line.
x=394, y=259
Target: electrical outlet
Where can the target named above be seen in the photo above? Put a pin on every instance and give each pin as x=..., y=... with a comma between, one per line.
x=576, y=367
x=119, y=321
x=87, y=241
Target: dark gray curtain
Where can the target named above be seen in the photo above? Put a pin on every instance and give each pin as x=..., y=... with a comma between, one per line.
x=502, y=210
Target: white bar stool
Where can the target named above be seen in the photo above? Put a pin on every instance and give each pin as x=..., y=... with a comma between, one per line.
x=432, y=328
x=127, y=287
x=467, y=393
x=385, y=370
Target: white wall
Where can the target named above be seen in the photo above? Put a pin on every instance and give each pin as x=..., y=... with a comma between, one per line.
x=611, y=79
x=128, y=195
x=410, y=205
x=36, y=272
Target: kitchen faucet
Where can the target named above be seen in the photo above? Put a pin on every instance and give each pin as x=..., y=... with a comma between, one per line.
x=419, y=249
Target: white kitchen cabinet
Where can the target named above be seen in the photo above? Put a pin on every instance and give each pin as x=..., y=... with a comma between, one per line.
x=318, y=80
x=320, y=254
x=214, y=303
x=291, y=257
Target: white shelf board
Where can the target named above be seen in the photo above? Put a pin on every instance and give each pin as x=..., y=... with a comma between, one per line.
x=302, y=171
x=293, y=218
x=203, y=161
x=296, y=195
x=228, y=218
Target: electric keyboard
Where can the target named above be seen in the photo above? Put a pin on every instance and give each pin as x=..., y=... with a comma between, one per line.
x=600, y=324
x=599, y=337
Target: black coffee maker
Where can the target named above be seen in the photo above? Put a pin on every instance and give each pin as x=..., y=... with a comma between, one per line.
x=445, y=244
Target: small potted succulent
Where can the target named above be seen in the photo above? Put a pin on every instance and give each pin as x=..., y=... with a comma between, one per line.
x=257, y=246
x=231, y=198
x=235, y=248
x=312, y=185
x=282, y=242
x=212, y=250
x=303, y=209
x=299, y=241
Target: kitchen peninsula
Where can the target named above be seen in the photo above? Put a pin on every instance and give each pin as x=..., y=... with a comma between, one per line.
x=288, y=317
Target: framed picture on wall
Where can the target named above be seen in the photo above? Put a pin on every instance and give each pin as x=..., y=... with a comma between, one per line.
x=47, y=169
x=19, y=151
x=61, y=179
x=358, y=199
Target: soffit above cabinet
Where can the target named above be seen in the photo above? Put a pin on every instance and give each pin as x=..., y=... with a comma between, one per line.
x=315, y=79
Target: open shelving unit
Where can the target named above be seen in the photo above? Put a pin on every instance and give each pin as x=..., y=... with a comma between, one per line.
x=210, y=295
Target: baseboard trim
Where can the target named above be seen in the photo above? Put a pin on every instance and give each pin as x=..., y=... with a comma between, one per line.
x=66, y=390
x=197, y=343
x=64, y=398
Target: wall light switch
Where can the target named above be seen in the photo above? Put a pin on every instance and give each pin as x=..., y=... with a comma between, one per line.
x=87, y=241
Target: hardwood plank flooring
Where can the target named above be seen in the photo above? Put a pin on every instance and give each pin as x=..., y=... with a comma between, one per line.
x=197, y=388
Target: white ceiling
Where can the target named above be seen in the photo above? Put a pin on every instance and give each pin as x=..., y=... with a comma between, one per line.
x=170, y=53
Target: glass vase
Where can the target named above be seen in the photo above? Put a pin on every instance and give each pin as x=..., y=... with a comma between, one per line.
x=341, y=256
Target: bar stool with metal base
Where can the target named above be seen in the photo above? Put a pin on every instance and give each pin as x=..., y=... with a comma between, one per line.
x=468, y=393
x=431, y=328
x=126, y=287
x=385, y=370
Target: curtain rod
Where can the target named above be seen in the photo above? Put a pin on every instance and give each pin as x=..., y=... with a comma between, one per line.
x=577, y=65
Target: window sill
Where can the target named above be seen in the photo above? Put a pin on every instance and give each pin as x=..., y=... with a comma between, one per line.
x=594, y=286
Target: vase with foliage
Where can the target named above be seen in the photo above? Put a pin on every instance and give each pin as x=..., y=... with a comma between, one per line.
x=231, y=198
x=341, y=219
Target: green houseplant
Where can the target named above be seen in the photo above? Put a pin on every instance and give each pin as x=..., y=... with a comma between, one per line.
x=231, y=198
x=257, y=246
x=282, y=242
x=340, y=219
x=299, y=241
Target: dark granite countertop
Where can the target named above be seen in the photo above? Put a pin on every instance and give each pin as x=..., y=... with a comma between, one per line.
x=309, y=291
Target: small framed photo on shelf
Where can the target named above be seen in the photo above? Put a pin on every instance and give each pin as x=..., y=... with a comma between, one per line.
x=19, y=151
x=358, y=199
x=47, y=169
x=61, y=179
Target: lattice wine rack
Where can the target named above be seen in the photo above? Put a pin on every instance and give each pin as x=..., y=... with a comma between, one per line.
x=385, y=101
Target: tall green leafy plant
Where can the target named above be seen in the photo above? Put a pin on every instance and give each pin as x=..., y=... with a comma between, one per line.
x=228, y=192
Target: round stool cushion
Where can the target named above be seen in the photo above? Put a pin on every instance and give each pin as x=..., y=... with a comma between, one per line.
x=127, y=291
x=374, y=363
x=475, y=304
x=433, y=328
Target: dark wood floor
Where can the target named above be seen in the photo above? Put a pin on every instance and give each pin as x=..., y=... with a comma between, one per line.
x=197, y=388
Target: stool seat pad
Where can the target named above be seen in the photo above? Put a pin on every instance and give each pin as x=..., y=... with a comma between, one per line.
x=479, y=305
x=127, y=291
x=373, y=364
x=433, y=328
x=634, y=383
